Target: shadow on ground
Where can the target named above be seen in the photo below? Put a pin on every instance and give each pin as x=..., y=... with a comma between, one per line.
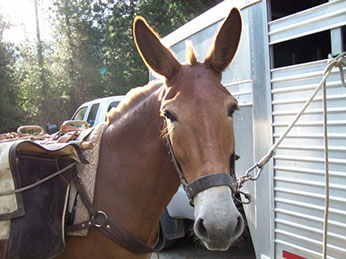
x=187, y=248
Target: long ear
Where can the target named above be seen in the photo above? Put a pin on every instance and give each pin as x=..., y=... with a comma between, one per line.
x=226, y=42
x=154, y=54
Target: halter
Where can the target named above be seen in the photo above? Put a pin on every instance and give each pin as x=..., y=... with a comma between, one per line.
x=207, y=181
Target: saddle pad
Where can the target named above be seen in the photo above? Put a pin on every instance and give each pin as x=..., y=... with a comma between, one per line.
x=8, y=203
x=11, y=205
x=22, y=225
x=87, y=174
x=40, y=233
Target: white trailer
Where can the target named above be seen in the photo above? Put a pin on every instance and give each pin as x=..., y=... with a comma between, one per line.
x=281, y=58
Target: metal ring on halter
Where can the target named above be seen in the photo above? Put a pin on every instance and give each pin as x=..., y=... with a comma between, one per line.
x=99, y=212
x=246, y=195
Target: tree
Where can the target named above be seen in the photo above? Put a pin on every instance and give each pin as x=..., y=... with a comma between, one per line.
x=10, y=114
x=92, y=55
x=44, y=85
x=77, y=43
x=125, y=68
x=28, y=74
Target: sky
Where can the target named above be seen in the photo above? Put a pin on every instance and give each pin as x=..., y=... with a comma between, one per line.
x=21, y=13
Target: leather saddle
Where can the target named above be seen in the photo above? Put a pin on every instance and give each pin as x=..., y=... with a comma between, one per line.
x=32, y=221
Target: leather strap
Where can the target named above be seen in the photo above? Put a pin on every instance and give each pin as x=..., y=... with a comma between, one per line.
x=211, y=180
x=204, y=182
x=111, y=229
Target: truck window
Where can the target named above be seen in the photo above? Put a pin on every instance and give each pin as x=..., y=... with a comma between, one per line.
x=92, y=114
x=113, y=104
x=80, y=113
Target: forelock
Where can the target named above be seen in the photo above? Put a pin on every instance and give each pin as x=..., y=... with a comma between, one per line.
x=191, y=57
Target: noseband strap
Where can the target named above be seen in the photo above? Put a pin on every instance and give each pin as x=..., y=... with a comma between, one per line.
x=211, y=180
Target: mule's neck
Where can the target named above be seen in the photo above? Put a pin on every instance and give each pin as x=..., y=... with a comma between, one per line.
x=136, y=178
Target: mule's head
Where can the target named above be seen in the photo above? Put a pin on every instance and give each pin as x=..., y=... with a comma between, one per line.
x=198, y=111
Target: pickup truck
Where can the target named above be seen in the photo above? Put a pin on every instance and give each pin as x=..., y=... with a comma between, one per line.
x=179, y=209
x=95, y=111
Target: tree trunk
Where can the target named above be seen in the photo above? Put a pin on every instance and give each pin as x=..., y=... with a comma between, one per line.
x=45, y=106
x=73, y=87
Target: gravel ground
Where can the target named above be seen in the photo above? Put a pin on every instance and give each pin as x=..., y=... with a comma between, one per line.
x=186, y=248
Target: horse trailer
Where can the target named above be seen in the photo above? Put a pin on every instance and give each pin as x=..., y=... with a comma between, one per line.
x=281, y=57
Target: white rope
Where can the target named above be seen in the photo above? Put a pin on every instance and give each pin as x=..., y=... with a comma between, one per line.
x=336, y=62
x=30, y=186
x=339, y=62
x=326, y=168
x=332, y=62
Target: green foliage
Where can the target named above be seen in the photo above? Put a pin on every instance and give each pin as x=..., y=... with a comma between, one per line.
x=124, y=65
x=10, y=113
x=92, y=55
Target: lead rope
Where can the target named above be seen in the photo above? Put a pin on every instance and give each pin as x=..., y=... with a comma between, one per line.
x=326, y=168
x=333, y=61
x=337, y=62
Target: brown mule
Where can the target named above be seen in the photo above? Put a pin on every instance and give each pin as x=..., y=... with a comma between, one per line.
x=136, y=178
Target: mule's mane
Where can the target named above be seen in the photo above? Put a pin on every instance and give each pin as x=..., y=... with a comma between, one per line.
x=133, y=98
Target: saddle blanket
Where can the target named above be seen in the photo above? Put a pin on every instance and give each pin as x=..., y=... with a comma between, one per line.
x=87, y=174
x=18, y=155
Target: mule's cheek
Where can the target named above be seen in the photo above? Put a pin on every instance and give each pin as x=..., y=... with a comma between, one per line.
x=217, y=220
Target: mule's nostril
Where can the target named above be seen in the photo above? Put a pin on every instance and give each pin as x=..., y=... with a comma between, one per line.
x=200, y=229
x=239, y=227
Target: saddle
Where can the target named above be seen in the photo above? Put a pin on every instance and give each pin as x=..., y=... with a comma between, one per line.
x=40, y=178
x=35, y=179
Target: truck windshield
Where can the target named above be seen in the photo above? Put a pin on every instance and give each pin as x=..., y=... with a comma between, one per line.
x=80, y=113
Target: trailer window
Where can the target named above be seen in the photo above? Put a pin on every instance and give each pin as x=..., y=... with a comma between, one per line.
x=306, y=49
x=282, y=8
x=92, y=114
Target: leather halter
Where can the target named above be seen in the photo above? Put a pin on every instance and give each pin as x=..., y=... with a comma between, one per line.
x=204, y=182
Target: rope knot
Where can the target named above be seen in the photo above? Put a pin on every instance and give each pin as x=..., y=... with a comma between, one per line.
x=338, y=61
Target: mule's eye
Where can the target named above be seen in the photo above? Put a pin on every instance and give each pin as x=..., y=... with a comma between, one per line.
x=169, y=116
x=233, y=107
x=230, y=112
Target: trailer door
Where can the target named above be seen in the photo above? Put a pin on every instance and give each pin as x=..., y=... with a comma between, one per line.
x=299, y=45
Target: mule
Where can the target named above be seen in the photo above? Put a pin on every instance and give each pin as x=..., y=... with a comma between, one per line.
x=191, y=111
